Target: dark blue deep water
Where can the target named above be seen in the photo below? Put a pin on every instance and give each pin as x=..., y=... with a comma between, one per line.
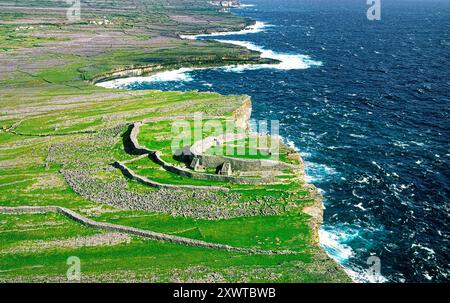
x=372, y=122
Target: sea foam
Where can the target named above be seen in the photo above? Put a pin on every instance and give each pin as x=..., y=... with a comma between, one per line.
x=333, y=243
x=252, y=29
x=286, y=61
x=181, y=74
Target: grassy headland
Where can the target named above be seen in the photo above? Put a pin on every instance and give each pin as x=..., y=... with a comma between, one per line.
x=60, y=134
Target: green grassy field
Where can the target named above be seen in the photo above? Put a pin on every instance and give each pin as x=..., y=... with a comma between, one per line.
x=53, y=121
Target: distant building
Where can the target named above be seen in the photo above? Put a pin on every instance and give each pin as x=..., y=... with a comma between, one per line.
x=226, y=4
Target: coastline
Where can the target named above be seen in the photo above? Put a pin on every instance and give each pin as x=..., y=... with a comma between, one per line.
x=108, y=79
x=267, y=59
x=119, y=79
x=62, y=135
x=374, y=151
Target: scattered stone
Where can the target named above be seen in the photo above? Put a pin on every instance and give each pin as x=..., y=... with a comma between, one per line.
x=198, y=204
x=109, y=239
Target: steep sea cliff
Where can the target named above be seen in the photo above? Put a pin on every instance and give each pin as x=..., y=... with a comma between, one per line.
x=126, y=78
x=367, y=106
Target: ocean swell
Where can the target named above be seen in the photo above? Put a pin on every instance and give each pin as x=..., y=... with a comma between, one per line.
x=257, y=27
x=332, y=241
x=181, y=75
x=286, y=61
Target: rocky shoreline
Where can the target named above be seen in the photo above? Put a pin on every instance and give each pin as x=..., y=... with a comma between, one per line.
x=242, y=116
x=63, y=134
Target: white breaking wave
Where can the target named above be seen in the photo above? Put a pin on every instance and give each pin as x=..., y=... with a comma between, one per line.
x=365, y=277
x=286, y=61
x=313, y=171
x=252, y=29
x=247, y=5
x=181, y=74
x=428, y=250
x=332, y=243
x=318, y=172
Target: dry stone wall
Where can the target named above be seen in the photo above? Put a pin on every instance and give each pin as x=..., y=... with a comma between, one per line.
x=130, y=173
x=210, y=177
x=198, y=150
x=131, y=230
x=155, y=155
x=137, y=148
x=198, y=204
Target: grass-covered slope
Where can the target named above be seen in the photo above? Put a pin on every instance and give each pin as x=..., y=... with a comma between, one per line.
x=59, y=135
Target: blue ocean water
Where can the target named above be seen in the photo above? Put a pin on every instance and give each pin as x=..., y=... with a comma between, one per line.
x=369, y=111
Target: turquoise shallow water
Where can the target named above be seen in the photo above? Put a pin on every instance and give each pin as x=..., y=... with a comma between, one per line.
x=367, y=105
